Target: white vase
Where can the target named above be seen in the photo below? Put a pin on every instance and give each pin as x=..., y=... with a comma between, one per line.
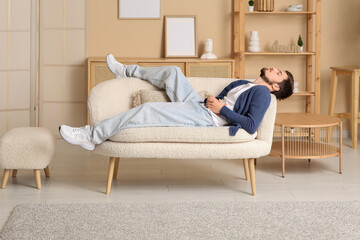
x=254, y=44
x=251, y=8
x=301, y=49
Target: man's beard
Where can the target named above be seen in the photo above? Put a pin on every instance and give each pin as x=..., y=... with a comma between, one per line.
x=266, y=79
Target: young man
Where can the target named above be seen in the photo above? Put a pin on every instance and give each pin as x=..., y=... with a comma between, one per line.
x=242, y=104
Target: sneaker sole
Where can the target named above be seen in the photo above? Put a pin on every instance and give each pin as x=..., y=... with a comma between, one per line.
x=75, y=143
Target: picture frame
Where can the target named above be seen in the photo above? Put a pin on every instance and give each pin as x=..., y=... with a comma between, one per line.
x=139, y=9
x=180, y=36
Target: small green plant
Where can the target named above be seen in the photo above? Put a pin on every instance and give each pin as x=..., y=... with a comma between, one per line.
x=300, y=42
x=251, y=3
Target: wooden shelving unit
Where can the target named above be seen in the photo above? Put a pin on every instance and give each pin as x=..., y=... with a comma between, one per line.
x=312, y=53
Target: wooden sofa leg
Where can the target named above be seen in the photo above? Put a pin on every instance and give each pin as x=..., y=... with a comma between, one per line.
x=246, y=168
x=5, y=177
x=47, y=171
x=14, y=173
x=110, y=174
x=37, y=178
x=116, y=168
x=252, y=176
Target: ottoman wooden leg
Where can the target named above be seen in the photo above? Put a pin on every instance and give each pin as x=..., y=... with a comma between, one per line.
x=5, y=178
x=37, y=178
x=47, y=171
x=14, y=172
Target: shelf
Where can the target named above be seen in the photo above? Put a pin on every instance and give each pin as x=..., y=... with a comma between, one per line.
x=279, y=54
x=301, y=150
x=280, y=13
x=303, y=93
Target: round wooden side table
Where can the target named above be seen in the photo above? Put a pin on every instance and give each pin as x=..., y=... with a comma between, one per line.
x=307, y=136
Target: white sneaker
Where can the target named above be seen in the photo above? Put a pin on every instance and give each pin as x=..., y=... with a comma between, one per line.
x=78, y=136
x=116, y=67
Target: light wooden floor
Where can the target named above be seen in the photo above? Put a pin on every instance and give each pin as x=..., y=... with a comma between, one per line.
x=78, y=175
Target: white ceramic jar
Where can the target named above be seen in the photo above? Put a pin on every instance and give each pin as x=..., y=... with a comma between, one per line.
x=254, y=44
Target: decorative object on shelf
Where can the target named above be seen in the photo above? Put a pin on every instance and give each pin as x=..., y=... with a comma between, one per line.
x=300, y=44
x=180, y=36
x=265, y=5
x=139, y=9
x=208, y=50
x=254, y=44
x=296, y=87
x=290, y=48
x=295, y=8
x=251, y=5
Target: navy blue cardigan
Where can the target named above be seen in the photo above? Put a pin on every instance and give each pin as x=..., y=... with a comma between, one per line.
x=249, y=109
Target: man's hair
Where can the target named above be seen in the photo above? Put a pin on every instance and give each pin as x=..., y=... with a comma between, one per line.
x=286, y=87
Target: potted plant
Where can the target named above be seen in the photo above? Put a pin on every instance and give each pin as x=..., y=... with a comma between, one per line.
x=251, y=5
x=300, y=43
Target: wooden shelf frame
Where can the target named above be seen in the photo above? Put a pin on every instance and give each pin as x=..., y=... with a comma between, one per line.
x=280, y=53
x=312, y=150
x=313, y=43
x=281, y=13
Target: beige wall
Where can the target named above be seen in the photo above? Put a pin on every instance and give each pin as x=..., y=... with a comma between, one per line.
x=145, y=38
x=340, y=47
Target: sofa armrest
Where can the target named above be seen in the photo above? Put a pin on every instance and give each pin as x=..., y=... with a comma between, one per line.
x=266, y=128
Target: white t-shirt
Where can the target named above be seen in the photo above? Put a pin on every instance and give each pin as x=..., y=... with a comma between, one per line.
x=230, y=100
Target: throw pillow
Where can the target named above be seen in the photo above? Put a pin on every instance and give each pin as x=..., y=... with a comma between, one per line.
x=144, y=95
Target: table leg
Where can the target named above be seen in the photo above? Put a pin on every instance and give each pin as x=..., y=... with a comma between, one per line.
x=283, y=150
x=355, y=108
x=283, y=166
x=333, y=88
x=340, y=149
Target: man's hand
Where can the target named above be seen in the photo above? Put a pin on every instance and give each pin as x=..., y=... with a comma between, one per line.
x=214, y=104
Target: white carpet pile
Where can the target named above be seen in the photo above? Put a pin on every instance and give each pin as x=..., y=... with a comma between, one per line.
x=185, y=220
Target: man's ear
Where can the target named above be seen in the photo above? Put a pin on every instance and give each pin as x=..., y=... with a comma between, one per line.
x=276, y=87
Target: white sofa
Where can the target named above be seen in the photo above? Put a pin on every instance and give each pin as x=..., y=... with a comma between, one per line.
x=114, y=96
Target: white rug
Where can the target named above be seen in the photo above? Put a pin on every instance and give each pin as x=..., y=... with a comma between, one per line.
x=187, y=220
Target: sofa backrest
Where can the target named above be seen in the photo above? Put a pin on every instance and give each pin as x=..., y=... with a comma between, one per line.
x=114, y=96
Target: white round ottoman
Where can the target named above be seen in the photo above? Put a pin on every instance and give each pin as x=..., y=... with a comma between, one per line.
x=26, y=148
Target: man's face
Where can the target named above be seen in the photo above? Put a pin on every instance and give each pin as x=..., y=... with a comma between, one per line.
x=273, y=76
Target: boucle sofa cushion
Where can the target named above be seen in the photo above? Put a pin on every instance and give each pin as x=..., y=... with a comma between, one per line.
x=114, y=96
x=146, y=95
x=26, y=148
x=182, y=135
